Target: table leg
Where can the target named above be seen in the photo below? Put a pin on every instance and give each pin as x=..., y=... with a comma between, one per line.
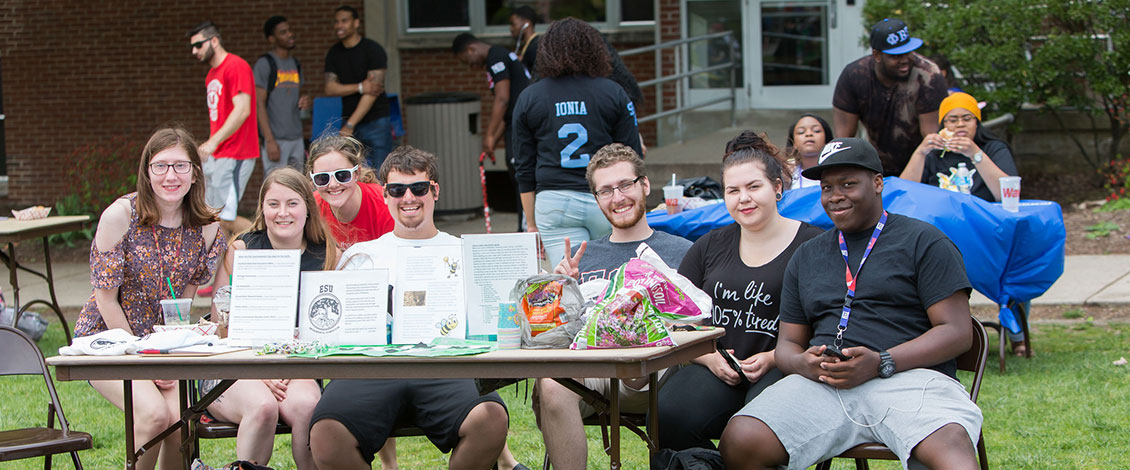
x=653, y=414
x=131, y=456
x=185, y=443
x=51, y=289
x=614, y=423
x=13, y=279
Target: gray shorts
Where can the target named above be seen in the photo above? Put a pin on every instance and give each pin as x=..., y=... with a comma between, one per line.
x=292, y=153
x=815, y=421
x=226, y=178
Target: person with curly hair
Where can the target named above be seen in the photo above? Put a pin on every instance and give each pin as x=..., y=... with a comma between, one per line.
x=560, y=121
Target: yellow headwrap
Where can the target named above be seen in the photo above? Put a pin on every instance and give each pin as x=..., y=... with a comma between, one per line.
x=958, y=100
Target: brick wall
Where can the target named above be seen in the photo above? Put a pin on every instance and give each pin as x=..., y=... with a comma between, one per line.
x=79, y=72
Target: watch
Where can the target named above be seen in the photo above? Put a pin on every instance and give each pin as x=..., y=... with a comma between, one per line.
x=886, y=364
x=347, y=124
x=977, y=157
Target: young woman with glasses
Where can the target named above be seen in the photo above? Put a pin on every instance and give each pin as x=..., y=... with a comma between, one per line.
x=287, y=218
x=347, y=191
x=160, y=242
x=966, y=141
x=741, y=266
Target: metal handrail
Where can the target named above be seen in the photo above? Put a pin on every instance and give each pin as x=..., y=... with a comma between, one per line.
x=681, y=77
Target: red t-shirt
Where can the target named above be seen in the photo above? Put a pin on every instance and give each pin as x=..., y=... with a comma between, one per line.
x=372, y=221
x=231, y=78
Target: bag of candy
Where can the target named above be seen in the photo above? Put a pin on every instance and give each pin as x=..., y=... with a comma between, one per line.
x=547, y=301
x=626, y=319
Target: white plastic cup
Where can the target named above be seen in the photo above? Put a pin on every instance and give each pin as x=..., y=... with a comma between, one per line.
x=1010, y=193
x=169, y=308
x=673, y=198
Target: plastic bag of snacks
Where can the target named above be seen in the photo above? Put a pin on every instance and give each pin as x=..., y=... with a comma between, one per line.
x=546, y=301
x=626, y=319
x=672, y=295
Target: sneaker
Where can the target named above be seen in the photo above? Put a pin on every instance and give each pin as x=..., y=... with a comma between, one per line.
x=205, y=291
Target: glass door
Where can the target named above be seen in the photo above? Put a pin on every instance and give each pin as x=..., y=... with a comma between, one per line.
x=802, y=47
x=711, y=16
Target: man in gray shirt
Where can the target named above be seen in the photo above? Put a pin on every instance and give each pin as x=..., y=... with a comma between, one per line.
x=278, y=86
x=616, y=177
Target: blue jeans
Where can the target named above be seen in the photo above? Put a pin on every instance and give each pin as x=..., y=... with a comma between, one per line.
x=377, y=137
x=572, y=214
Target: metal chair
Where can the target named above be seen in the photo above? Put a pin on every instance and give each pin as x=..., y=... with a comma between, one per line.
x=972, y=360
x=22, y=357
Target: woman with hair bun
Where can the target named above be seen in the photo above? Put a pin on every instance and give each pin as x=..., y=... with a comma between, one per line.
x=741, y=267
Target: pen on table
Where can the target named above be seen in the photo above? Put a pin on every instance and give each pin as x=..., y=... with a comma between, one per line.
x=169, y=350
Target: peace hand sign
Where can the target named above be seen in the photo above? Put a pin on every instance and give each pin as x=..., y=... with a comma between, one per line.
x=569, y=264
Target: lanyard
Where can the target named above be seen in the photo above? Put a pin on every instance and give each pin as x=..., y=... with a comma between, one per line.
x=851, y=280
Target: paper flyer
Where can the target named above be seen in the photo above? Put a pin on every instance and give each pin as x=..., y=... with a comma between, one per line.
x=494, y=262
x=344, y=307
x=264, y=295
x=428, y=300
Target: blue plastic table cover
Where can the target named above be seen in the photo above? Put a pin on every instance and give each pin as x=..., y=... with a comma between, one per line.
x=1009, y=256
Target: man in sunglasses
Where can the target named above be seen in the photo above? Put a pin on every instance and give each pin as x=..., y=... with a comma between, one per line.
x=229, y=153
x=616, y=177
x=355, y=417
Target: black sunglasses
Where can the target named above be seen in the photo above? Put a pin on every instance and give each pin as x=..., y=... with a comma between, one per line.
x=342, y=176
x=419, y=188
x=200, y=43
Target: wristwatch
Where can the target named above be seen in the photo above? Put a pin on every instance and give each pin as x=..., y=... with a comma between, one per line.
x=347, y=124
x=977, y=157
x=886, y=364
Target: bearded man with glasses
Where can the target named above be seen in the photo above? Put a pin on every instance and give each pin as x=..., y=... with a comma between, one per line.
x=229, y=154
x=616, y=178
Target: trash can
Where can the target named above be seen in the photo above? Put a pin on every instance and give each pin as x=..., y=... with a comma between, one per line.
x=447, y=124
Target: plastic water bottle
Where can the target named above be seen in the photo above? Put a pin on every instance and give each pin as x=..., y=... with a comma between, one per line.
x=964, y=178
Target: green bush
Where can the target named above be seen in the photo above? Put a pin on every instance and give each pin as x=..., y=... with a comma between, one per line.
x=99, y=173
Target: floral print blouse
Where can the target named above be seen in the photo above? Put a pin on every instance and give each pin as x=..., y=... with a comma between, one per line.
x=138, y=266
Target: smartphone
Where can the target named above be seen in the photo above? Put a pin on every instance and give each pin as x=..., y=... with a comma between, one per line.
x=832, y=351
x=733, y=362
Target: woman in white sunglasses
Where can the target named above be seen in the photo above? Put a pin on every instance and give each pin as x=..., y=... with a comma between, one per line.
x=286, y=218
x=347, y=191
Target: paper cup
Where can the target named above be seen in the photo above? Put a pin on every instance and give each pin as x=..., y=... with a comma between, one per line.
x=509, y=338
x=673, y=198
x=1010, y=193
x=169, y=308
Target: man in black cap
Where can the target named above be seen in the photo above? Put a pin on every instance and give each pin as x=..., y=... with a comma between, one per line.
x=870, y=354
x=894, y=91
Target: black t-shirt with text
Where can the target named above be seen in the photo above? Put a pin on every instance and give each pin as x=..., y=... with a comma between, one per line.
x=912, y=266
x=560, y=122
x=746, y=299
x=890, y=115
x=504, y=65
x=352, y=66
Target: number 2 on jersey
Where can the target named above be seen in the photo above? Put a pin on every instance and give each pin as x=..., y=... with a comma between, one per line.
x=568, y=160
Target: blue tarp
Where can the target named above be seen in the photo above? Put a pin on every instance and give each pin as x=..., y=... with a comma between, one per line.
x=1009, y=256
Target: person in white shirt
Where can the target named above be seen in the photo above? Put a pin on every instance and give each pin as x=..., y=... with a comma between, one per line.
x=355, y=417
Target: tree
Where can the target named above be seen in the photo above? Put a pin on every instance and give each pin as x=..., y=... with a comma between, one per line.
x=1060, y=54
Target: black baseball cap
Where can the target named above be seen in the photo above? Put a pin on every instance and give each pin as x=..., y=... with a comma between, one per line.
x=845, y=151
x=892, y=36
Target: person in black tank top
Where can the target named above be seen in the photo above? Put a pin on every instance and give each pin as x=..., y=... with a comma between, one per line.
x=287, y=217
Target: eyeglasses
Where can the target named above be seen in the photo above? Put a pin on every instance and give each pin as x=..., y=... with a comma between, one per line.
x=954, y=119
x=342, y=176
x=200, y=43
x=606, y=193
x=419, y=188
x=160, y=168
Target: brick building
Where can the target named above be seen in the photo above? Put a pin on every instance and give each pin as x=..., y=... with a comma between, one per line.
x=74, y=72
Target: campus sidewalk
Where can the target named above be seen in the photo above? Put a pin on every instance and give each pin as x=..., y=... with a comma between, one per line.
x=1086, y=279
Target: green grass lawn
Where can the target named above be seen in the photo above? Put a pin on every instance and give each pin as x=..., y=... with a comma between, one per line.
x=1065, y=408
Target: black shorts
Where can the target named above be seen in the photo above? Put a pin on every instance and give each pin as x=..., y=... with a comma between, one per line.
x=372, y=408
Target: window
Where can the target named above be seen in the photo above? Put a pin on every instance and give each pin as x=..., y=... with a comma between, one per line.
x=493, y=16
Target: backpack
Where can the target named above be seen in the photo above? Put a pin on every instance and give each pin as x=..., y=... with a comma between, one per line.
x=273, y=76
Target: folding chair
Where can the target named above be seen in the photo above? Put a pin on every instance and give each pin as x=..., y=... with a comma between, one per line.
x=1021, y=312
x=972, y=360
x=637, y=423
x=20, y=356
